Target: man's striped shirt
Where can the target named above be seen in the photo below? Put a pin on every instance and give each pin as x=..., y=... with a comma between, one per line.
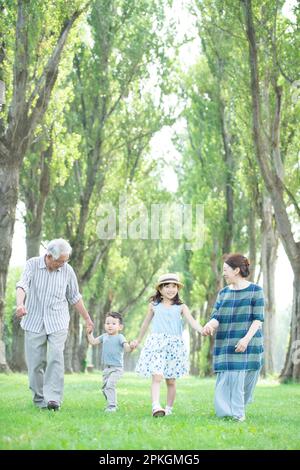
x=235, y=311
x=47, y=296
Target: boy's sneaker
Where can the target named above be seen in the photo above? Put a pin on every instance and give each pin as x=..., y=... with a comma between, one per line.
x=158, y=412
x=110, y=409
x=169, y=410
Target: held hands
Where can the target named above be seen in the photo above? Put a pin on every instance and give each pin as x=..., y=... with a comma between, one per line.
x=207, y=330
x=133, y=344
x=89, y=330
x=241, y=346
x=89, y=325
x=20, y=311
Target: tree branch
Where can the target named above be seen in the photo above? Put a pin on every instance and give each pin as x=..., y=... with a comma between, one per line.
x=93, y=265
x=293, y=199
x=21, y=132
x=139, y=295
x=20, y=69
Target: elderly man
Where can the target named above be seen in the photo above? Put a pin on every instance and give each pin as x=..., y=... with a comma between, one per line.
x=47, y=285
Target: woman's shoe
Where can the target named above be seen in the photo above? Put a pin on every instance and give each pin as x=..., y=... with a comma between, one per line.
x=239, y=418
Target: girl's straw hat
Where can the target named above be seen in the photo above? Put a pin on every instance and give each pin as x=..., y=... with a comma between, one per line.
x=169, y=278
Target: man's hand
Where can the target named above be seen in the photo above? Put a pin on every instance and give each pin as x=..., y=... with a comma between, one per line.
x=241, y=346
x=89, y=325
x=21, y=311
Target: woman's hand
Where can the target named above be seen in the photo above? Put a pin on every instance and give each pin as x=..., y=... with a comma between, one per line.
x=207, y=330
x=241, y=346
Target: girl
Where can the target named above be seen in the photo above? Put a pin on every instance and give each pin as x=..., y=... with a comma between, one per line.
x=238, y=352
x=164, y=354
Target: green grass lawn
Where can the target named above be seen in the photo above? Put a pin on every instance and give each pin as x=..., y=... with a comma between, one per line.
x=273, y=420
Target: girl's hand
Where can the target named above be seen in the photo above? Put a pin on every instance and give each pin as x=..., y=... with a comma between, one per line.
x=241, y=346
x=207, y=330
x=133, y=344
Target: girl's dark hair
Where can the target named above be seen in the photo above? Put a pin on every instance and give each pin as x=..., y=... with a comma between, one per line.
x=236, y=260
x=157, y=297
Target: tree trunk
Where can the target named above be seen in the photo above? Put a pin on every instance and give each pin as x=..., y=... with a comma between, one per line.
x=268, y=260
x=274, y=185
x=33, y=242
x=72, y=363
x=229, y=183
x=96, y=352
x=195, y=347
x=83, y=347
x=24, y=116
x=18, y=363
x=291, y=369
x=82, y=351
x=9, y=181
x=68, y=352
x=211, y=298
x=208, y=371
x=252, y=241
x=35, y=201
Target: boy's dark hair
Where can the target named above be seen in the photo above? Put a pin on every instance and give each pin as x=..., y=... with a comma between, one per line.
x=116, y=315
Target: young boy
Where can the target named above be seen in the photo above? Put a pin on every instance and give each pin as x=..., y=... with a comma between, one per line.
x=113, y=346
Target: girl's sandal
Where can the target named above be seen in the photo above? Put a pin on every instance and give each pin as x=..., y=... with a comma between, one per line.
x=158, y=412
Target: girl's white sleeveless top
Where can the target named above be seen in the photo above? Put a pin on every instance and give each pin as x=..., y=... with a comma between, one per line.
x=167, y=320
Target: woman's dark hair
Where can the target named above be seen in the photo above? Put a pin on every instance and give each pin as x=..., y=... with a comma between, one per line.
x=115, y=315
x=236, y=260
x=157, y=297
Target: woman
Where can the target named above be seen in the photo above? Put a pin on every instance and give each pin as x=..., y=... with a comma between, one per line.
x=238, y=352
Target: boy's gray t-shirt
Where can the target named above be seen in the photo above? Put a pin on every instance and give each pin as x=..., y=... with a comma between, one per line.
x=112, y=349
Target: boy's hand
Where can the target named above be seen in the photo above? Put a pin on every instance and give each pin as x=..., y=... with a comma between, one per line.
x=89, y=329
x=133, y=344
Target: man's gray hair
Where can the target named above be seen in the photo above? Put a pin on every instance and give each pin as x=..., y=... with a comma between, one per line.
x=58, y=247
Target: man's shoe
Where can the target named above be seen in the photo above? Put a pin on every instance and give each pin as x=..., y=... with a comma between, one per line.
x=40, y=405
x=43, y=406
x=53, y=405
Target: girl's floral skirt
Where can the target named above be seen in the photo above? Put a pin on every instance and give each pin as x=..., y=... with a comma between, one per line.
x=164, y=355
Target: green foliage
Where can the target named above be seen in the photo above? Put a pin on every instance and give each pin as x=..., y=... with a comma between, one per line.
x=113, y=115
x=118, y=78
